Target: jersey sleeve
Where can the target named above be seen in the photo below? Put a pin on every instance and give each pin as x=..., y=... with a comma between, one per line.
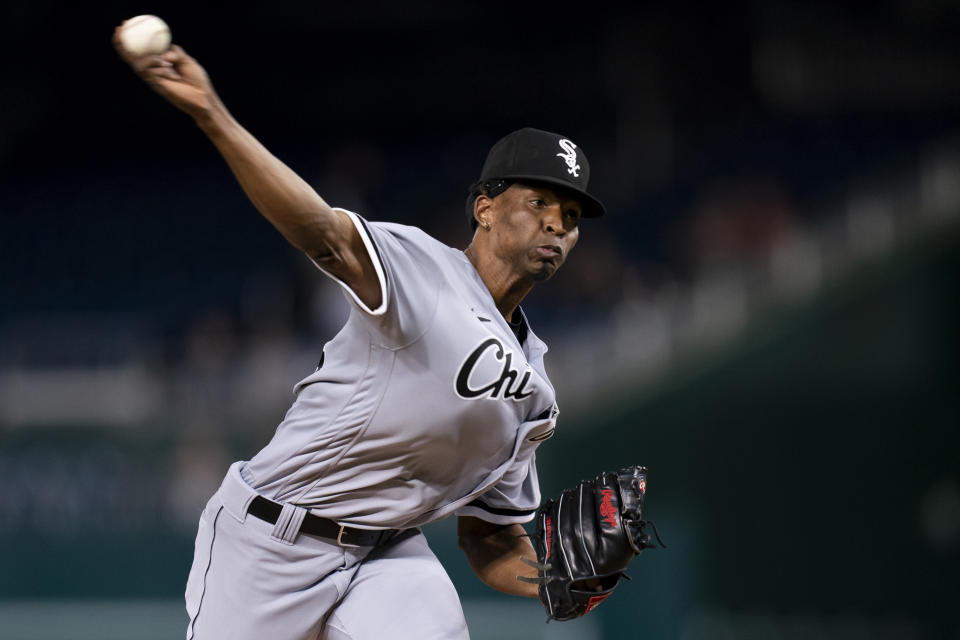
x=516, y=496
x=405, y=260
x=512, y=500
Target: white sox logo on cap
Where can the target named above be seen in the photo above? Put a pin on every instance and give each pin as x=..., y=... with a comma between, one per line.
x=526, y=156
x=570, y=157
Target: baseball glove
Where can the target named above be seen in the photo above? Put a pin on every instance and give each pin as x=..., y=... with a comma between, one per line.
x=586, y=538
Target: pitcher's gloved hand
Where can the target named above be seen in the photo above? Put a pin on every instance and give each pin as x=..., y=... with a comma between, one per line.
x=586, y=538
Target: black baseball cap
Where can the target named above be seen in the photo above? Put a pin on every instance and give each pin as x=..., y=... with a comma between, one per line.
x=537, y=156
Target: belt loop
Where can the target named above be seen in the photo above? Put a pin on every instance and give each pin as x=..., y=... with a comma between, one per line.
x=288, y=524
x=235, y=493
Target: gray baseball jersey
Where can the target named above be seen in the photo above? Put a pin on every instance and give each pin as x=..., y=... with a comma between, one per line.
x=425, y=406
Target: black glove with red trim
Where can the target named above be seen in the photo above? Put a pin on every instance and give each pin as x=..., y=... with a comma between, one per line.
x=586, y=538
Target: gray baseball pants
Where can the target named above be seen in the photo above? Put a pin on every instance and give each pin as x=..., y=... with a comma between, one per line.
x=254, y=580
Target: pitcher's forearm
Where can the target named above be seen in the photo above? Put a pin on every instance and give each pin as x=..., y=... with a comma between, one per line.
x=501, y=573
x=285, y=200
x=283, y=197
x=496, y=552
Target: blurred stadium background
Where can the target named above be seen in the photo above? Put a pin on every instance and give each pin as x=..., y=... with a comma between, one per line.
x=767, y=317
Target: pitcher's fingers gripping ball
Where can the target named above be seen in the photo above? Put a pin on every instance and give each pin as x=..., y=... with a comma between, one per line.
x=586, y=538
x=144, y=43
x=144, y=35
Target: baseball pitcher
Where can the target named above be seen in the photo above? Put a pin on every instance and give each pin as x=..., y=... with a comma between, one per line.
x=430, y=402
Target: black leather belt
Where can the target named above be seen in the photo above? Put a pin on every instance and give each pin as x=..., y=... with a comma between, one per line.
x=314, y=525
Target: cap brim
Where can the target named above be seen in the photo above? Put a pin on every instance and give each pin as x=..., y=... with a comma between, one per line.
x=592, y=208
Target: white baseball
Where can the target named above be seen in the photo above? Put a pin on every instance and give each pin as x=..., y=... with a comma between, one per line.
x=145, y=35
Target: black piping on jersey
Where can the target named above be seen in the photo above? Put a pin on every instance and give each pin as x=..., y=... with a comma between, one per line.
x=500, y=511
x=378, y=264
x=543, y=436
x=376, y=249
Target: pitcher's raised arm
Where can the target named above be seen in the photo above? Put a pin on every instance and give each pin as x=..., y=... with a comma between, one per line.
x=291, y=205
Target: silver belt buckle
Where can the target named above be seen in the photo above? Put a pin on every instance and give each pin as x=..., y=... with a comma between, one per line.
x=340, y=536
